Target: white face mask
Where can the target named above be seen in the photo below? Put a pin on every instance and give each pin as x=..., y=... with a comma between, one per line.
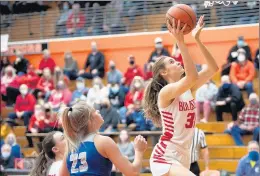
x=80, y=85
x=137, y=85
x=24, y=91
x=241, y=58
x=158, y=46
x=6, y=155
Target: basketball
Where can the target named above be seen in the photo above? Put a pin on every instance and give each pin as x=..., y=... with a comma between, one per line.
x=185, y=14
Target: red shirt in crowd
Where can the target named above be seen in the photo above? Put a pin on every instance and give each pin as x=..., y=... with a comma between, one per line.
x=131, y=73
x=76, y=21
x=47, y=63
x=37, y=124
x=25, y=103
x=32, y=80
x=43, y=83
x=131, y=97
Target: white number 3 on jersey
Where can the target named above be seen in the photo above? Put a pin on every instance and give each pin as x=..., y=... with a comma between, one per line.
x=83, y=162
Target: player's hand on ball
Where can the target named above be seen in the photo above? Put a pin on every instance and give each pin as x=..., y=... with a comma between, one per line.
x=176, y=31
x=140, y=143
x=198, y=28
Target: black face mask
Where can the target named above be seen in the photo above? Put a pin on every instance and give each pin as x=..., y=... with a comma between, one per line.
x=47, y=110
x=113, y=67
x=104, y=106
x=132, y=62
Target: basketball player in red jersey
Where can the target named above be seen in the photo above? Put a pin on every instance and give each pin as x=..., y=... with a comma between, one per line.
x=169, y=103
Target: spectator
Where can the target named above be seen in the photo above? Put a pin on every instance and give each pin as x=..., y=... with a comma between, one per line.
x=31, y=78
x=4, y=63
x=110, y=115
x=116, y=96
x=47, y=62
x=59, y=76
x=24, y=105
x=6, y=79
x=20, y=64
x=45, y=84
x=51, y=120
x=96, y=20
x=229, y=99
x=97, y=93
x=81, y=92
x=61, y=22
x=205, y=95
x=148, y=73
x=159, y=50
x=136, y=91
x=37, y=123
x=71, y=66
x=248, y=121
x=6, y=160
x=256, y=60
x=58, y=96
x=135, y=115
x=243, y=73
x=76, y=22
x=132, y=71
x=125, y=146
x=199, y=144
x=240, y=47
x=15, y=148
x=96, y=62
x=6, y=129
x=114, y=75
x=248, y=164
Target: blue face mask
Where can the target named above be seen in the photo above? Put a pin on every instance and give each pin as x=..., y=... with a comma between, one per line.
x=226, y=85
x=65, y=7
x=253, y=155
x=240, y=43
x=253, y=102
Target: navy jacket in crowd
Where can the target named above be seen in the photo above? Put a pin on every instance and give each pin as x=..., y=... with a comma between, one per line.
x=96, y=61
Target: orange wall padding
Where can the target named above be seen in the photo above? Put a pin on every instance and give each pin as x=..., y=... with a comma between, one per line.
x=218, y=40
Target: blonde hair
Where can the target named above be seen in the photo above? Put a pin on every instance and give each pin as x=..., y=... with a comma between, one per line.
x=137, y=79
x=11, y=135
x=75, y=124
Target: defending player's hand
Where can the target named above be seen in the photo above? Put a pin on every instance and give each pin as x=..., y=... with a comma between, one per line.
x=198, y=28
x=140, y=143
x=176, y=31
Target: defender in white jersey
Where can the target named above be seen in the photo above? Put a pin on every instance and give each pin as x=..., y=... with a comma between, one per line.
x=169, y=103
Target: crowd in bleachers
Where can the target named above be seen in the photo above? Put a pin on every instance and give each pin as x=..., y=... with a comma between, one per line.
x=37, y=94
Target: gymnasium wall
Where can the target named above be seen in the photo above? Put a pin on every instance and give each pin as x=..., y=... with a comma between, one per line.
x=218, y=40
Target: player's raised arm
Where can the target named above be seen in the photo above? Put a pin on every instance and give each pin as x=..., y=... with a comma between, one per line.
x=211, y=66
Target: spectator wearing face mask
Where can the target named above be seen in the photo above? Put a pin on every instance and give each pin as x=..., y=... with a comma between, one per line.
x=15, y=148
x=205, y=95
x=229, y=99
x=96, y=62
x=32, y=78
x=239, y=48
x=135, y=94
x=250, y=164
x=81, y=92
x=114, y=75
x=58, y=96
x=116, y=95
x=248, y=121
x=97, y=93
x=20, y=64
x=132, y=71
x=71, y=66
x=110, y=115
x=7, y=78
x=24, y=105
x=159, y=50
x=256, y=60
x=135, y=115
x=148, y=72
x=6, y=160
x=45, y=84
x=59, y=76
x=243, y=73
x=47, y=62
x=37, y=123
x=61, y=22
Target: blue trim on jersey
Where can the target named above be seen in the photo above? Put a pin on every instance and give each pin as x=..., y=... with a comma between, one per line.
x=88, y=162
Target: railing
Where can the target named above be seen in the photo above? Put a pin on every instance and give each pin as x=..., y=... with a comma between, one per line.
x=128, y=17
